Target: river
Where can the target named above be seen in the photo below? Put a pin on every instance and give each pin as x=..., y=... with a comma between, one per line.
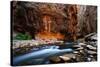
x=40, y=56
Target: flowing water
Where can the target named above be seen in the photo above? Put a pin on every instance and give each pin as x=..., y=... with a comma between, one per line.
x=40, y=56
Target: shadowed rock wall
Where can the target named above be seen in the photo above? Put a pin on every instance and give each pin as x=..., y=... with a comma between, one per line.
x=73, y=21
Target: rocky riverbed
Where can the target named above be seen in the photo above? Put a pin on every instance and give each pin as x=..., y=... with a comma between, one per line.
x=84, y=50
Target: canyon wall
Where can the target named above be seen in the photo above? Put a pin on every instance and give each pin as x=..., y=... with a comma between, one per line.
x=72, y=21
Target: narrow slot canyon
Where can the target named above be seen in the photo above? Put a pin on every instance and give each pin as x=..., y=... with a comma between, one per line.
x=49, y=33
x=68, y=21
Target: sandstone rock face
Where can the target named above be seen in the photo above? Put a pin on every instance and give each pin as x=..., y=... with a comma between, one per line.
x=72, y=21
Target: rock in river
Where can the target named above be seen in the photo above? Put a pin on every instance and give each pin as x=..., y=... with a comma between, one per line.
x=65, y=58
x=55, y=59
x=92, y=52
x=91, y=47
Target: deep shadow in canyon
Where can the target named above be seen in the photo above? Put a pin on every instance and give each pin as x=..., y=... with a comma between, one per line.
x=71, y=21
x=49, y=33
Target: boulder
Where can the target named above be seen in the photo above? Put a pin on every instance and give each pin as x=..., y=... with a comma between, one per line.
x=81, y=48
x=65, y=58
x=91, y=52
x=55, y=59
x=75, y=52
x=76, y=46
x=82, y=44
x=91, y=47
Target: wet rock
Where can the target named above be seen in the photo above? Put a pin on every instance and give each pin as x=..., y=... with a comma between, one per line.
x=91, y=37
x=94, y=44
x=76, y=52
x=77, y=46
x=81, y=48
x=55, y=59
x=91, y=52
x=65, y=58
x=91, y=47
x=68, y=57
x=82, y=44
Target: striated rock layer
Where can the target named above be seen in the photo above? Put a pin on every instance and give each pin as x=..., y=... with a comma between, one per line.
x=69, y=21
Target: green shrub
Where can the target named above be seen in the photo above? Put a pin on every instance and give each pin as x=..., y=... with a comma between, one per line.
x=21, y=36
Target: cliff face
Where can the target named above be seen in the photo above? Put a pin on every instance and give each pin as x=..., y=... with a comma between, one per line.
x=87, y=19
x=67, y=21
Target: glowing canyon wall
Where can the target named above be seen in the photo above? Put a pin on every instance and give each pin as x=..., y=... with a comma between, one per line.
x=61, y=21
